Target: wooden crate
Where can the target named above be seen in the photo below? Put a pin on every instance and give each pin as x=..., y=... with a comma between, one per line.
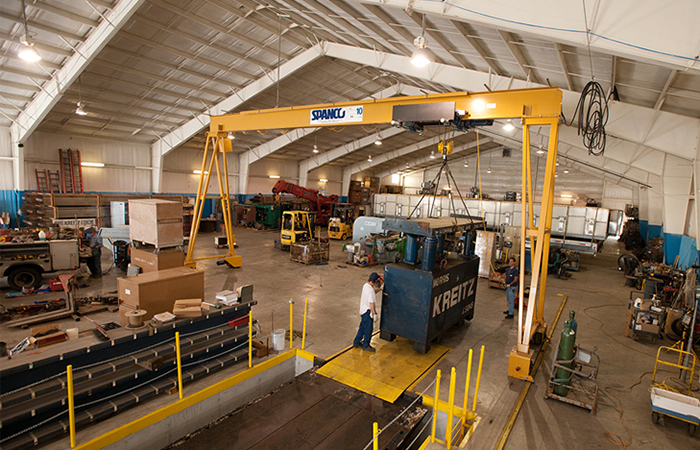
x=156, y=222
x=314, y=252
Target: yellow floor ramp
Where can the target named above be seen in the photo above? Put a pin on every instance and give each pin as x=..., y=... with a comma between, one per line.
x=385, y=374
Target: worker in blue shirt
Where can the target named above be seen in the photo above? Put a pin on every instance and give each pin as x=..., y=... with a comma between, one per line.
x=512, y=278
x=94, y=262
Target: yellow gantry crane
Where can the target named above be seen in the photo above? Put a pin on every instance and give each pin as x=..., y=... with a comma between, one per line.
x=540, y=107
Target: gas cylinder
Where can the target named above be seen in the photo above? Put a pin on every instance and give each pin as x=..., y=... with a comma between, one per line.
x=574, y=325
x=566, y=353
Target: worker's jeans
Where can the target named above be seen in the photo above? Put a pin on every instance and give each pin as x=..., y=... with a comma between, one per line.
x=364, y=334
x=510, y=295
x=94, y=263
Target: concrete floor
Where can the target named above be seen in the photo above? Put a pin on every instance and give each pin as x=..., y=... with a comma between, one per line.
x=596, y=293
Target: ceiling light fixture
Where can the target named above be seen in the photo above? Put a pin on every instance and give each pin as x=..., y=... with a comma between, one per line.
x=323, y=180
x=378, y=141
x=567, y=195
x=407, y=165
x=231, y=135
x=556, y=175
x=369, y=158
x=91, y=164
x=566, y=170
x=27, y=52
x=274, y=176
x=315, y=141
x=432, y=154
x=488, y=170
x=540, y=149
x=199, y=172
x=508, y=126
x=421, y=56
x=315, y=148
x=79, y=110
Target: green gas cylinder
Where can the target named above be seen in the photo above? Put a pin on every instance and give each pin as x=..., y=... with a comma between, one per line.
x=566, y=353
x=571, y=319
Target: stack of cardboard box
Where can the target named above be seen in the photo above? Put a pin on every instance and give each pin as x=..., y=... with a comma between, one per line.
x=157, y=226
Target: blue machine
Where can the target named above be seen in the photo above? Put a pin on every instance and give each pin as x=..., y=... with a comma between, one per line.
x=420, y=302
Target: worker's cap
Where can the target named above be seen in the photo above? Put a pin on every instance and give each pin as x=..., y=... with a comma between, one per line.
x=373, y=277
x=90, y=230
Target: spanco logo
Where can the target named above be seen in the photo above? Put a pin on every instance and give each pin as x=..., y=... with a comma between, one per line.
x=336, y=115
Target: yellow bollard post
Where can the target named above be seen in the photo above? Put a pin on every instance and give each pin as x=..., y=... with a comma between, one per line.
x=179, y=363
x=478, y=378
x=466, y=385
x=303, y=330
x=435, y=404
x=451, y=407
x=250, y=338
x=375, y=433
x=291, y=312
x=71, y=406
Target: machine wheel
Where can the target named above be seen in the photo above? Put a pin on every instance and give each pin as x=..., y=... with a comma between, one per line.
x=343, y=237
x=653, y=339
x=691, y=429
x=24, y=277
x=635, y=336
x=655, y=417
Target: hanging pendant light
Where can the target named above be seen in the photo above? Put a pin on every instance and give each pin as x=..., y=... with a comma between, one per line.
x=79, y=110
x=27, y=52
x=421, y=57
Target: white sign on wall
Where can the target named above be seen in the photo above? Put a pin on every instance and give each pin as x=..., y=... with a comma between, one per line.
x=336, y=115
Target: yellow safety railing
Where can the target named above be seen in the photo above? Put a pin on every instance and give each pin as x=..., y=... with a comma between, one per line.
x=179, y=363
x=303, y=329
x=250, y=338
x=454, y=433
x=71, y=405
x=291, y=324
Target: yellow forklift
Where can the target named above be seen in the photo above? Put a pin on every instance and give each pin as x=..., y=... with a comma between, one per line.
x=297, y=226
x=342, y=218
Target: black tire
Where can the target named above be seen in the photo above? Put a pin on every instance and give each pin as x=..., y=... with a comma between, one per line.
x=655, y=417
x=343, y=237
x=24, y=277
x=691, y=429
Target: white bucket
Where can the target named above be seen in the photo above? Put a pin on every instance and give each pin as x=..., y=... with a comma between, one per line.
x=278, y=339
x=72, y=333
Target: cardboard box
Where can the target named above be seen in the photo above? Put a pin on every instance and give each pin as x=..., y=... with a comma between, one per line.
x=188, y=308
x=156, y=222
x=153, y=260
x=156, y=292
x=647, y=328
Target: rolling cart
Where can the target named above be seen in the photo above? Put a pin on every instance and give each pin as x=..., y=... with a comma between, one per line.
x=665, y=402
